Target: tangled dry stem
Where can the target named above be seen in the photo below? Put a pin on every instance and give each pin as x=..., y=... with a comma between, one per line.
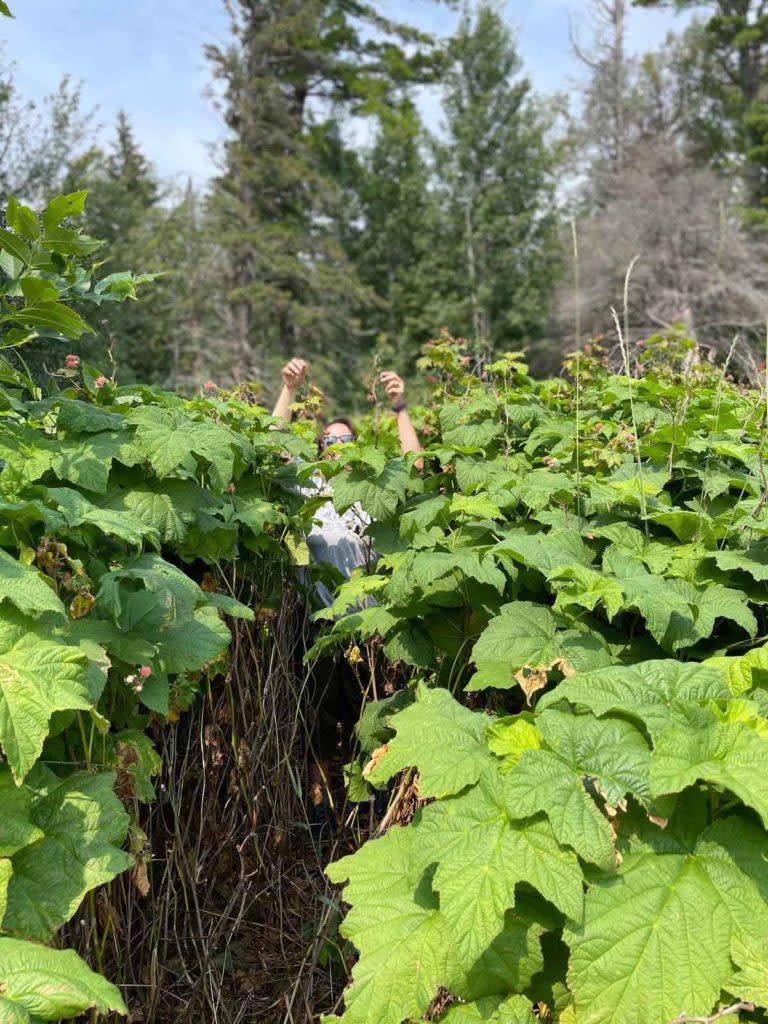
x=238, y=923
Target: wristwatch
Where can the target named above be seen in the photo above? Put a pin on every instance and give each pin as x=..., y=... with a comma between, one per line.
x=399, y=407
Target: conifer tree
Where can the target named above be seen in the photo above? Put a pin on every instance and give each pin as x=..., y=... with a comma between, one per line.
x=730, y=64
x=291, y=286
x=394, y=250
x=495, y=169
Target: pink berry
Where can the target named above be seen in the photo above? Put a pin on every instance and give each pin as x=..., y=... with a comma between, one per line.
x=145, y=671
x=209, y=385
x=72, y=362
x=100, y=381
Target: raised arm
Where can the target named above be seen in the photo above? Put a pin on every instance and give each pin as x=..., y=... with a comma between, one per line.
x=395, y=388
x=293, y=374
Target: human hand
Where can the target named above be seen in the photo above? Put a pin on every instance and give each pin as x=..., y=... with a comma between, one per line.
x=394, y=386
x=294, y=373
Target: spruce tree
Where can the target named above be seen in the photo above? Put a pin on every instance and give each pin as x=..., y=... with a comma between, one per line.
x=730, y=64
x=496, y=173
x=291, y=63
x=393, y=250
x=124, y=210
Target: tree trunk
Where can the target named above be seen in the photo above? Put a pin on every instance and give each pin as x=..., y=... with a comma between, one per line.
x=618, y=15
x=477, y=313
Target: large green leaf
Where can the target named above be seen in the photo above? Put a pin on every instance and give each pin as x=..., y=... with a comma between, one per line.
x=611, y=754
x=587, y=588
x=752, y=560
x=656, y=939
x=77, y=511
x=696, y=746
x=27, y=455
x=37, y=677
x=482, y=855
x=20, y=218
x=378, y=495
x=546, y=552
x=191, y=645
x=404, y=942
x=37, y=983
x=84, y=418
x=51, y=316
x=744, y=672
x=441, y=739
x=86, y=462
x=654, y=944
x=524, y=641
x=26, y=588
x=83, y=823
x=176, y=592
x=17, y=829
x=710, y=603
x=60, y=207
x=420, y=570
x=668, y=615
x=167, y=439
x=649, y=692
x=16, y=246
x=169, y=510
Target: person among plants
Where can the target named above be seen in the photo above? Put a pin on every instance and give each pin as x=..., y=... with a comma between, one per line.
x=337, y=540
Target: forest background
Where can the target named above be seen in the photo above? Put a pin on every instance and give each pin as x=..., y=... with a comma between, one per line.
x=341, y=227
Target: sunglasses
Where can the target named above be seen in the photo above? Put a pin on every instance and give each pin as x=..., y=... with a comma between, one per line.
x=326, y=442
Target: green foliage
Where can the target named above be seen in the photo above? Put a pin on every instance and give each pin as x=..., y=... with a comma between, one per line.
x=48, y=984
x=111, y=500
x=726, y=59
x=599, y=807
x=41, y=271
x=495, y=191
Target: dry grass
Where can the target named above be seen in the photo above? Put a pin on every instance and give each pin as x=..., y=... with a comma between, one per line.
x=238, y=923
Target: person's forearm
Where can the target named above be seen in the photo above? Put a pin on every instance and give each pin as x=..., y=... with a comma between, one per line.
x=409, y=441
x=283, y=404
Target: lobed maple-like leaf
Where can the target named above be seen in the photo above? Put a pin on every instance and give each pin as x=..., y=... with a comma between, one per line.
x=82, y=824
x=26, y=588
x=697, y=746
x=482, y=854
x=657, y=938
x=404, y=941
x=440, y=738
x=611, y=754
x=524, y=640
x=648, y=692
x=37, y=677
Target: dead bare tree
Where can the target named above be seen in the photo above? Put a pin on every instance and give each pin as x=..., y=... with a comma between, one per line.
x=606, y=58
x=697, y=265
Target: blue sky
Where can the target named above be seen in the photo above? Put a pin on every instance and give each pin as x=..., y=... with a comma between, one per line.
x=146, y=56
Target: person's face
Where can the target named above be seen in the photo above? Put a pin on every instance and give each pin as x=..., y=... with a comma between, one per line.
x=336, y=433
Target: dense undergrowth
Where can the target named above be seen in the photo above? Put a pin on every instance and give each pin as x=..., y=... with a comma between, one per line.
x=122, y=512
x=579, y=578
x=574, y=574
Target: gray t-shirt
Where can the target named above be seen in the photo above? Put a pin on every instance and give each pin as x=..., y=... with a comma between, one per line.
x=337, y=538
